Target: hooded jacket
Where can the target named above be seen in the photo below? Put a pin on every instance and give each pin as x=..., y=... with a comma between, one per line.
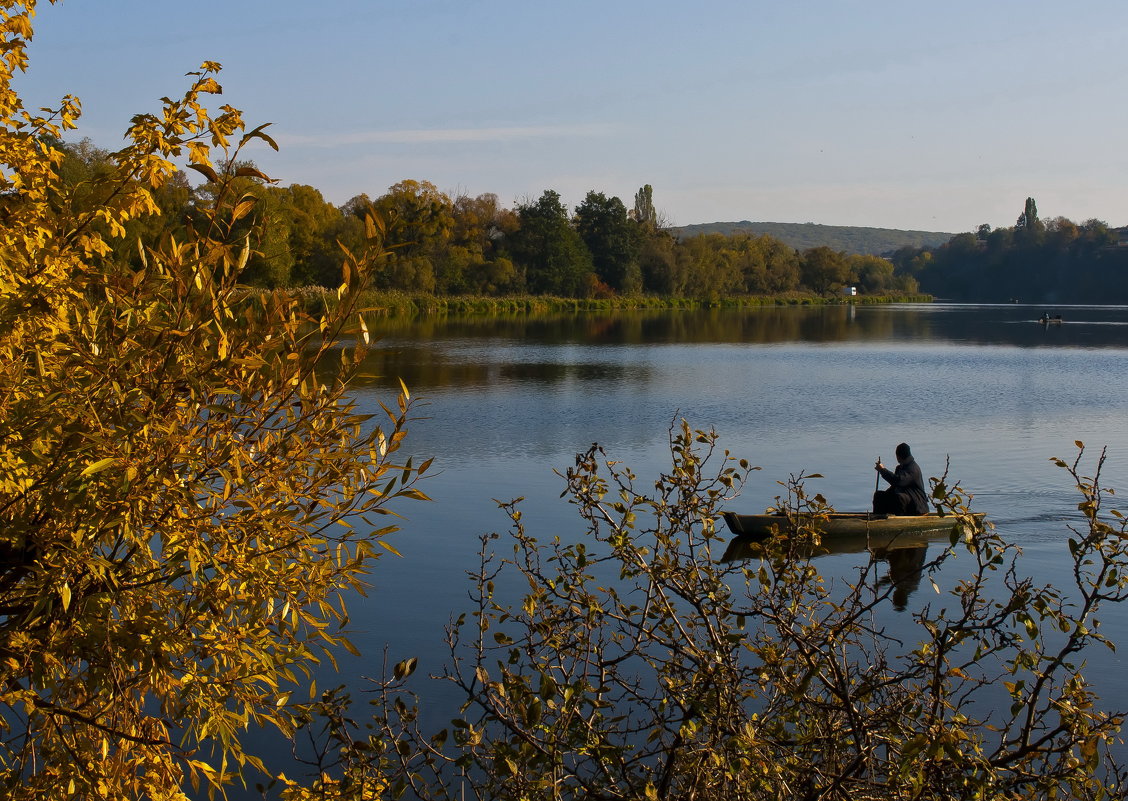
x=907, y=480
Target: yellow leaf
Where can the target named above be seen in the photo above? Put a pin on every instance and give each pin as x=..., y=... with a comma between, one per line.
x=209, y=86
x=206, y=171
x=99, y=466
x=243, y=207
x=388, y=547
x=251, y=172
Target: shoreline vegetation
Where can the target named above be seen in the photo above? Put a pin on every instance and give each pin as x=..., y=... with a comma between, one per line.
x=398, y=304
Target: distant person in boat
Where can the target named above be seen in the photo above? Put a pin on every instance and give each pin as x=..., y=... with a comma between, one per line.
x=905, y=495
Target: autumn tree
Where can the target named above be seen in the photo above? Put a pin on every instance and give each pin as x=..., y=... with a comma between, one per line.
x=767, y=265
x=418, y=219
x=188, y=493
x=317, y=231
x=477, y=260
x=873, y=273
x=824, y=270
x=710, y=268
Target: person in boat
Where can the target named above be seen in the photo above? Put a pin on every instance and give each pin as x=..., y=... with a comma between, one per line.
x=905, y=495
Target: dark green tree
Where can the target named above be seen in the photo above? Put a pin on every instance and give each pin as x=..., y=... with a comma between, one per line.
x=549, y=251
x=644, y=212
x=612, y=239
x=658, y=264
x=1029, y=229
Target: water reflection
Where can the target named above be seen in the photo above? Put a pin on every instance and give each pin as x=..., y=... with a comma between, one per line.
x=453, y=352
x=1005, y=324
x=904, y=554
x=435, y=365
x=906, y=565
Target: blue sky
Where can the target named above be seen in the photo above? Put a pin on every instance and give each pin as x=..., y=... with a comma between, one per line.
x=932, y=116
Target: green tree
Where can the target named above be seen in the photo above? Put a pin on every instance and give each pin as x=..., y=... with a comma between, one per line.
x=781, y=262
x=824, y=270
x=87, y=173
x=548, y=251
x=643, y=211
x=767, y=265
x=1029, y=228
x=612, y=240
x=317, y=230
x=481, y=226
x=1096, y=233
x=188, y=494
x=418, y=219
x=874, y=274
x=659, y=264
x=265, y=221
x=710, y=268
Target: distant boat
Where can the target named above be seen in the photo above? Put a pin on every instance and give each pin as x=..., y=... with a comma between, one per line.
x=845, y=524
x=1047, y=319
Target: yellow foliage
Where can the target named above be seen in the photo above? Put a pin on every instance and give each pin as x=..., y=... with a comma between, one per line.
x=183, y=480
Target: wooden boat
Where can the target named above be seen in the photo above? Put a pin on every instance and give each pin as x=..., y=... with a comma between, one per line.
x=1046, y=319
x=879, y=543
x=845, y=524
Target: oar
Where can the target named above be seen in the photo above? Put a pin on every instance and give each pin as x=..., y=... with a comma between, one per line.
x=877, y=478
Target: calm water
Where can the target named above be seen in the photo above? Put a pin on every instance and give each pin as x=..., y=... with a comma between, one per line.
x=814, y=390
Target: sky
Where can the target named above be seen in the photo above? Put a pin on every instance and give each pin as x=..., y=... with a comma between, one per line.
x=885, y=113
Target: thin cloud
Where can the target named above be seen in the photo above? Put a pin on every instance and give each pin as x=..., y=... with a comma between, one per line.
x=446, y=135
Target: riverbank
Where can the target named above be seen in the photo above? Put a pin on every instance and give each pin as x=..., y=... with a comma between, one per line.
x=410, y=305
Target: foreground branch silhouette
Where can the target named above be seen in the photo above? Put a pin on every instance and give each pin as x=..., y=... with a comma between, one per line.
x=633, y=663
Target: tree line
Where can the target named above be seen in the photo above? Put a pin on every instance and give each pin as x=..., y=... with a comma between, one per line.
x=463, y=245
x=1037, y=260
x=466, y=245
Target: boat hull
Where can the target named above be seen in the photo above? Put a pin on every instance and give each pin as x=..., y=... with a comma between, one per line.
x=844, y=524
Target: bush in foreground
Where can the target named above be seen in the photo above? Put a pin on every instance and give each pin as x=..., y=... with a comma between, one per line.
x=641, y=662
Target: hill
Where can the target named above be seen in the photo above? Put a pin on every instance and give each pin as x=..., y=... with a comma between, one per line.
x=877, y=241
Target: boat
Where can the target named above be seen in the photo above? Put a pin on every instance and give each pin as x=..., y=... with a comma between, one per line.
x=1046, y=319
x=845, y=524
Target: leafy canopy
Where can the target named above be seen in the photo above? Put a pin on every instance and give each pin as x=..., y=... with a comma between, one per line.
x=187, y=493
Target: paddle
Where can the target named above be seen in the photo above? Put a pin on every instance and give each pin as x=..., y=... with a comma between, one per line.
x=877, y=479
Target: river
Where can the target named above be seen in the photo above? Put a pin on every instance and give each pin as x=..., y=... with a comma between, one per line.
x=987, y=391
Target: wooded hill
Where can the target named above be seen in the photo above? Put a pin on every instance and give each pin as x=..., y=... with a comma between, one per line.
x=801, y=236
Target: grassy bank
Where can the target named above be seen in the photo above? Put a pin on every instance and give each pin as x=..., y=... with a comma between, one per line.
x=404, y=304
